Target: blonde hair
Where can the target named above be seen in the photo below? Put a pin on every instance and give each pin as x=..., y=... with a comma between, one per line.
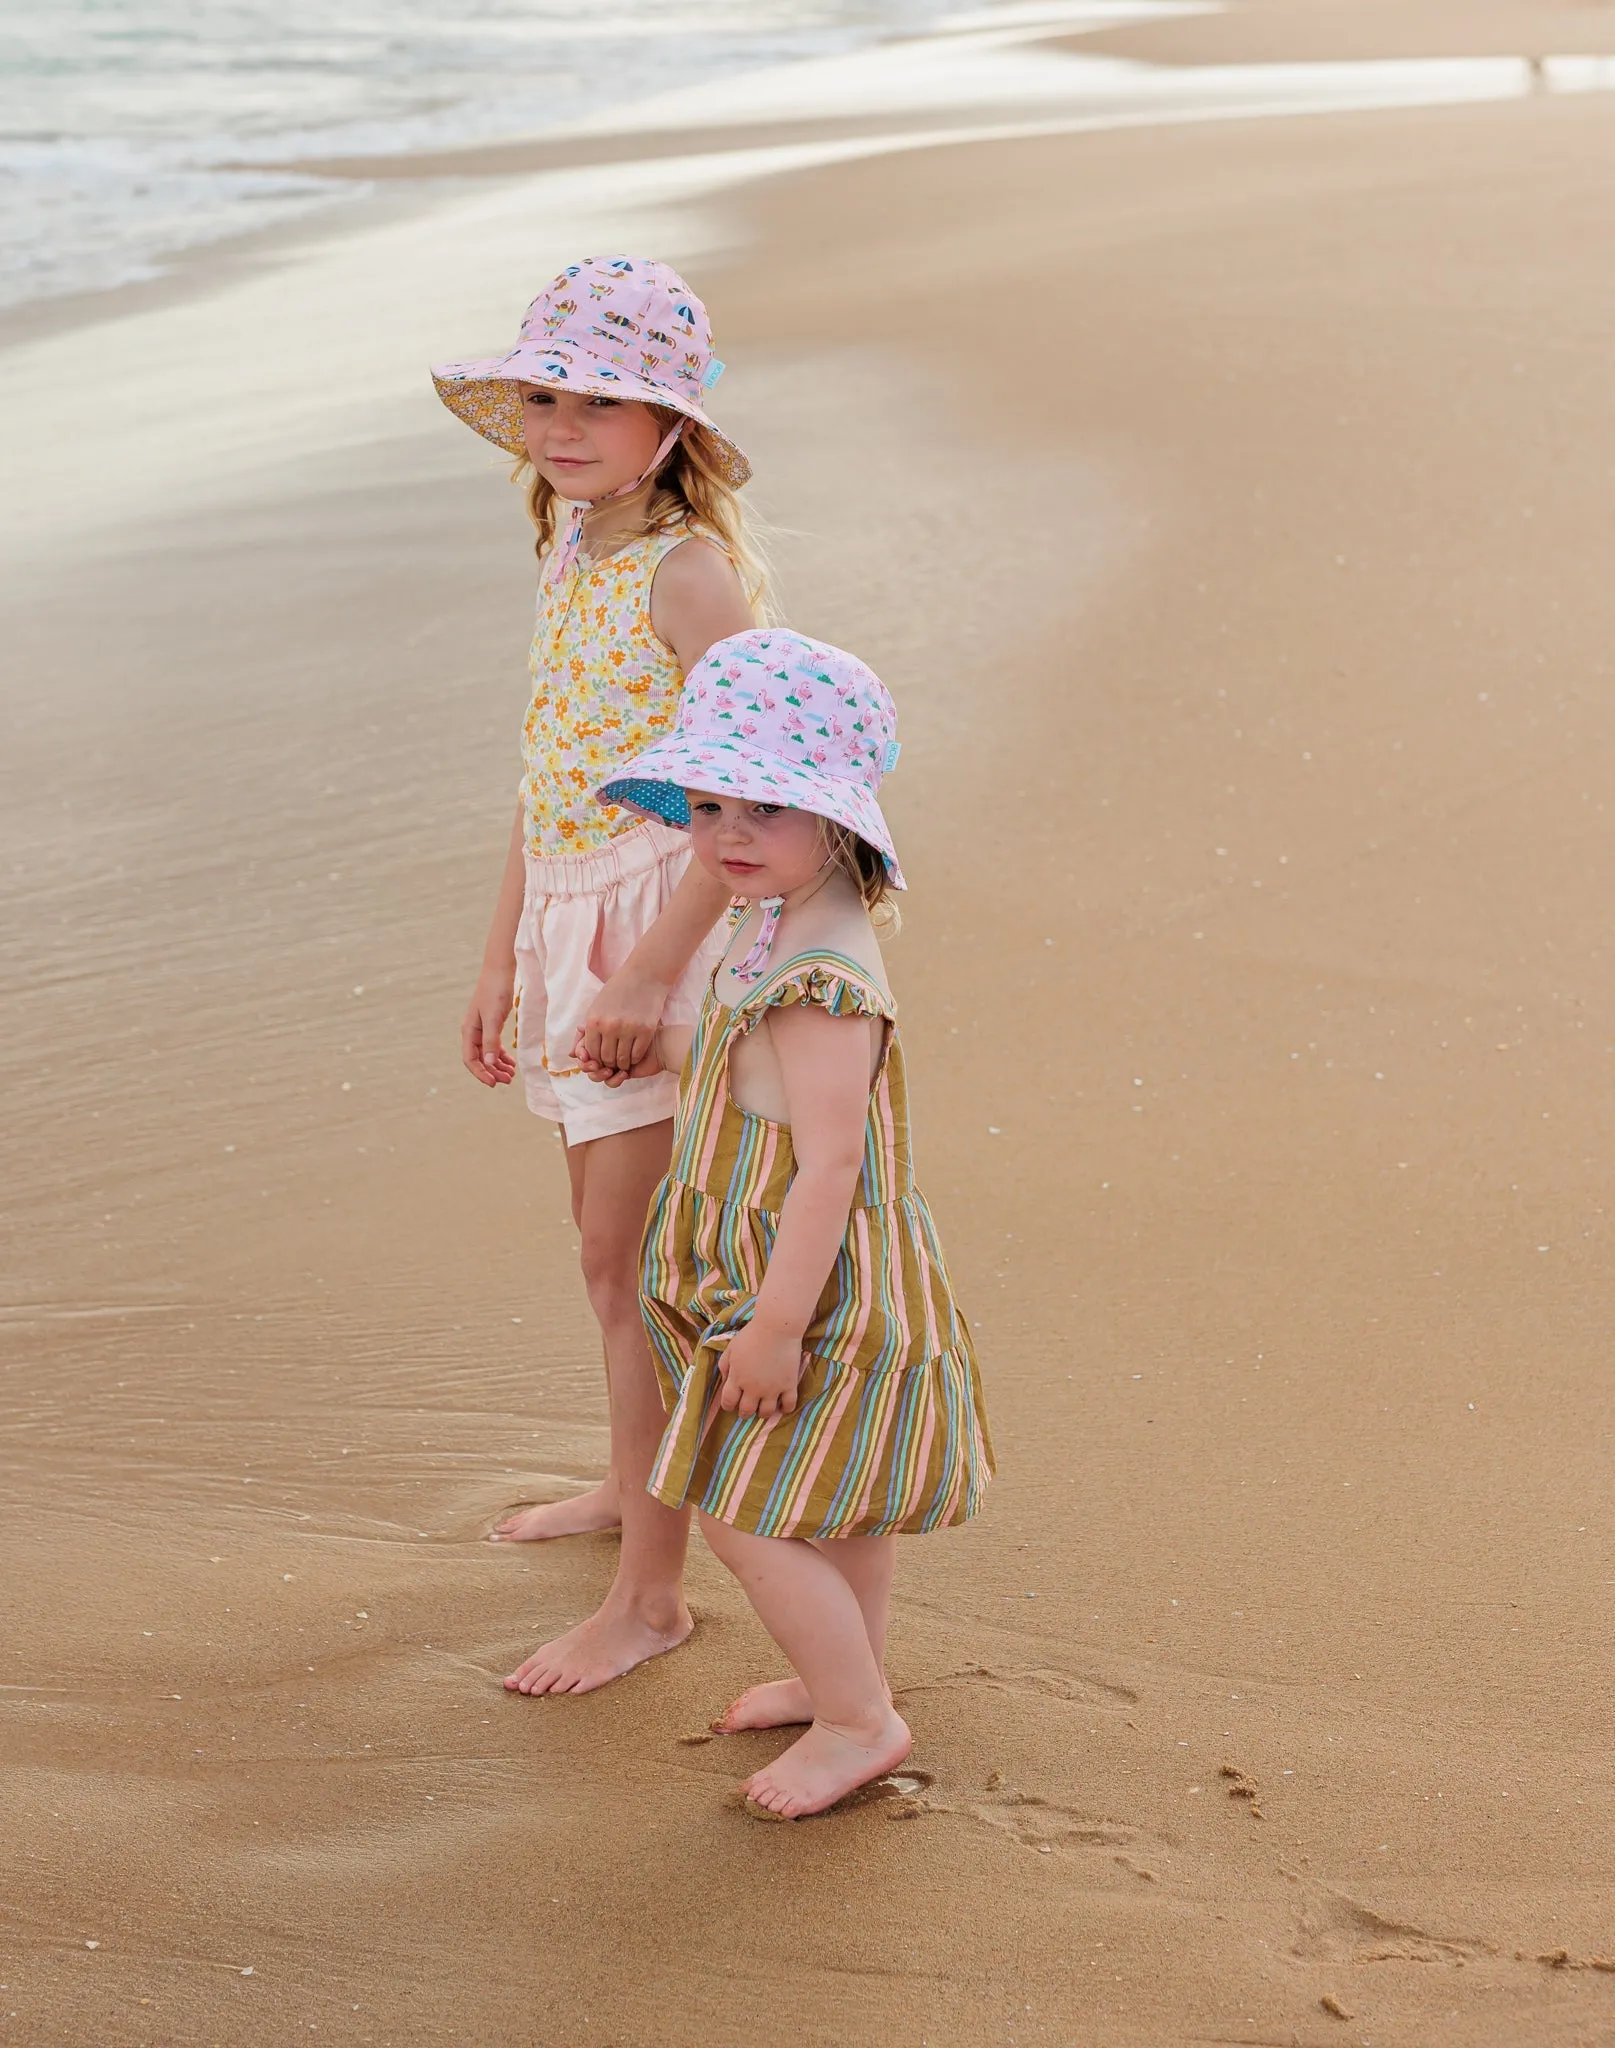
x=865, y=867
x=690, y=486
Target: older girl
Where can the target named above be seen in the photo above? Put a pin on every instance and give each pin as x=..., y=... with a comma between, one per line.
x=603, y=930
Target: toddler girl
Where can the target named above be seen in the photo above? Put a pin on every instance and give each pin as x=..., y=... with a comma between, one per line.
x=602, y=928
x=820, y=1381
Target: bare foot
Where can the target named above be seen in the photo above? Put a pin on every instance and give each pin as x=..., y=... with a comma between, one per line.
x=782, y=1703
x=602, y=1648
x=825, y=1764
x=579, y=1516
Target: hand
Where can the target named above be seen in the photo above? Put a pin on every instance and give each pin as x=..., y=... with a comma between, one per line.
x=614, y=1077
x=620, y=1029
x=761, y=1372
x=483, y=1025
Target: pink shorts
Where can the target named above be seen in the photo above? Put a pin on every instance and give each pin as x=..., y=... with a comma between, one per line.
x=581, y=918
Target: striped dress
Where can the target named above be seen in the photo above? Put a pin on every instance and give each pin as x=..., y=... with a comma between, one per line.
x=889, y=1434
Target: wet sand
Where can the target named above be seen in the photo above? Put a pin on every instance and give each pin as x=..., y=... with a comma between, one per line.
x=1253, y=660
x=1317, y=31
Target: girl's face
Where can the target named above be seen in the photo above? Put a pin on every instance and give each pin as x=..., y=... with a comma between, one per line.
x=758, y=849
x=587, y=447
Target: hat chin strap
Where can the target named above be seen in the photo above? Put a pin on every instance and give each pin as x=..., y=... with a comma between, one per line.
x=751, y=968
x=756, y=961
x=564, y=550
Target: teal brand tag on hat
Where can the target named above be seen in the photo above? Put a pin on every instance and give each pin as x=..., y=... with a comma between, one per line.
x=893, y=749
x=714, y=371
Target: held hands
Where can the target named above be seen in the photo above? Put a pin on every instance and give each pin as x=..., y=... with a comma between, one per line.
x=614, y=1077
x=761, y=1372
x=618, y=1039
x=483, y=1025
x=620, y=1029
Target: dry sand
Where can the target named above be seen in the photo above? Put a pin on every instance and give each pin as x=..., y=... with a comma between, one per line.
x=1254, y=659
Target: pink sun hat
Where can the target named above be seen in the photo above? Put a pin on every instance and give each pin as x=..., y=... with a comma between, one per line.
x=609, y=327
x=776, y=718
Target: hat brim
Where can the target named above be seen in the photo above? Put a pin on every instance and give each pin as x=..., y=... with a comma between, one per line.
x=486, y=394
x=653, y=784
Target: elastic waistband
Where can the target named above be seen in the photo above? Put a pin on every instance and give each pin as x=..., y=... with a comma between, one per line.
x=635, y=852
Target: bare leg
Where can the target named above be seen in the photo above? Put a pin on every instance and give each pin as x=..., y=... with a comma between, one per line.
x=580, y=1514
x=866, y=1563
x=598, y=1507
x=811, y=1611
x=644, y=1613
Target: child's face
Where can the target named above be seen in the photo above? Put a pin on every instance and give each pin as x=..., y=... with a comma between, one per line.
x=758, y=849
x=587, y=447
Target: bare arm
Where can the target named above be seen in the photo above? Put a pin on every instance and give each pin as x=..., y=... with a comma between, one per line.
x=695, y=600
x=824, y=1062
x=619, y=1032
x=482, y=1027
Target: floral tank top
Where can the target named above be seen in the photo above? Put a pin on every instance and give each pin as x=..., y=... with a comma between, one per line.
x=605, y=687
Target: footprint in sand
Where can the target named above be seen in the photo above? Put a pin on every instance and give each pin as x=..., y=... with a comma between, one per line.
x=1037, y=1682
x=1332, y=1927
x=1048, y=1828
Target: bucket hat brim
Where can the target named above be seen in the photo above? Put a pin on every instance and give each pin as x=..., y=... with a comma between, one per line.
x=653, y=784
x=486, y=394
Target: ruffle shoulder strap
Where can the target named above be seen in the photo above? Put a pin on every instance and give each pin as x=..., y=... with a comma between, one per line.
x=828, y=981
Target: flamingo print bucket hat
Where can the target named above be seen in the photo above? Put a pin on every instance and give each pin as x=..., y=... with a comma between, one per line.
x=776, y=718
x=609, y=327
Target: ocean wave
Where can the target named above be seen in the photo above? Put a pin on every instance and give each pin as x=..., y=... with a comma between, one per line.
x=130, y=132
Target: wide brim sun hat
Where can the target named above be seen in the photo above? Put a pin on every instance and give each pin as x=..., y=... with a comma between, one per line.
x=625, y=327
x=773, y=717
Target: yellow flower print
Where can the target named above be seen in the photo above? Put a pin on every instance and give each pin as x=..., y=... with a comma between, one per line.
x=604, y=687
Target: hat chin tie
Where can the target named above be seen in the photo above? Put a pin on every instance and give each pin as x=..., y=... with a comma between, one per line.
x=564, y=550
x=751, y=968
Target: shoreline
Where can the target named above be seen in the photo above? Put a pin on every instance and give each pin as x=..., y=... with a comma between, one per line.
x=209, y=426
x=1255, y=40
